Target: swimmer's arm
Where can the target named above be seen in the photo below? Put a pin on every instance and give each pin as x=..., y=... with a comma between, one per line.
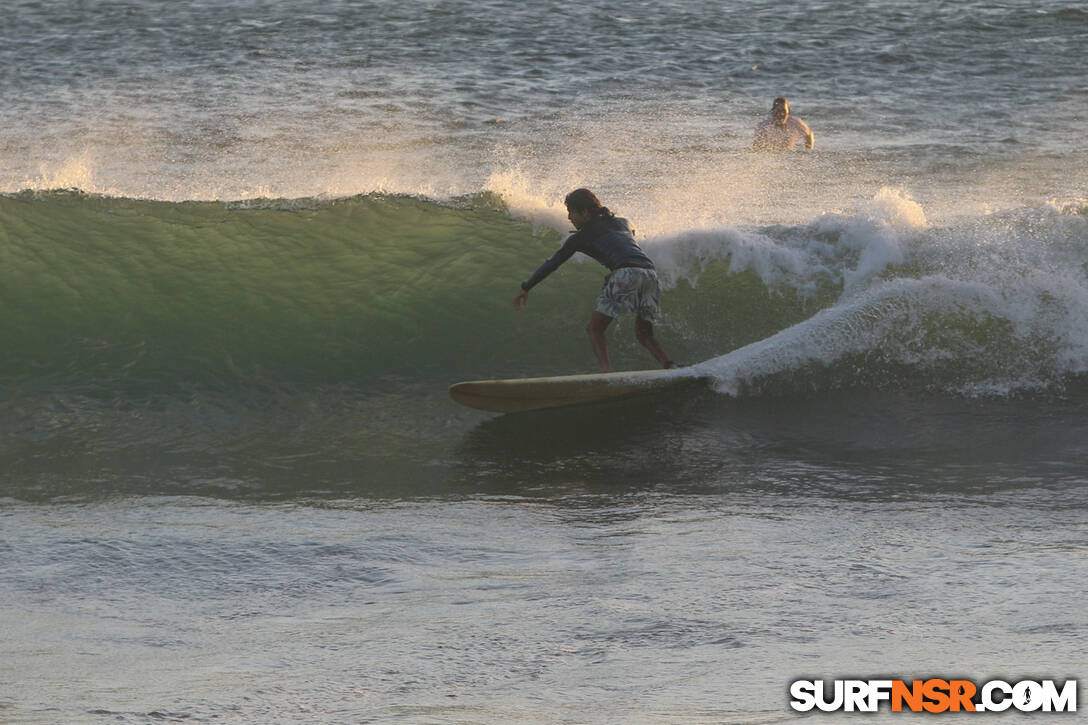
x=810, y=138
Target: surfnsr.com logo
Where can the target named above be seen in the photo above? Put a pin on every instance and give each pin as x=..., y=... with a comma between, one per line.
x=933, y=695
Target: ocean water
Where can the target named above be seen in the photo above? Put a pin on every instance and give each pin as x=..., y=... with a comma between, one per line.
x=246, y=246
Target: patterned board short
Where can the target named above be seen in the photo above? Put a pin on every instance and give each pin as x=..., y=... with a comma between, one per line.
x=630, y=291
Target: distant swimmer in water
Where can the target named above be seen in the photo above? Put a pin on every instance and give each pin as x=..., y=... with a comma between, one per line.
x=781, y=131
x=631, y=288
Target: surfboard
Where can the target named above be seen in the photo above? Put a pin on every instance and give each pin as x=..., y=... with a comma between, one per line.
x=522, y=394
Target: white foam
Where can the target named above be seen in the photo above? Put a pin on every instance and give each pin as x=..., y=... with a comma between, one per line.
x=687, y=255
x=889, y=312
x=1002, y=299
x=877, y=234
x=850, y=250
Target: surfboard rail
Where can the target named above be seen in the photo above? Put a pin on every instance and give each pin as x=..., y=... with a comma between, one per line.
x=515, y=395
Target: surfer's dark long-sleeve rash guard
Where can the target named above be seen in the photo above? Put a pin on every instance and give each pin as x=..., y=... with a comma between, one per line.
x=610, y=241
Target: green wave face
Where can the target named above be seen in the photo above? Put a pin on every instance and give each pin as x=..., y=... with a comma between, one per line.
x=137, y=297
x=332, y=291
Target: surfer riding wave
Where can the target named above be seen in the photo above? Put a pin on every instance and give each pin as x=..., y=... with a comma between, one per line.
x=632, y=286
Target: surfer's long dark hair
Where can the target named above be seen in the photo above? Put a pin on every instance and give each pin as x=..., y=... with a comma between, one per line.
x=586, y=200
